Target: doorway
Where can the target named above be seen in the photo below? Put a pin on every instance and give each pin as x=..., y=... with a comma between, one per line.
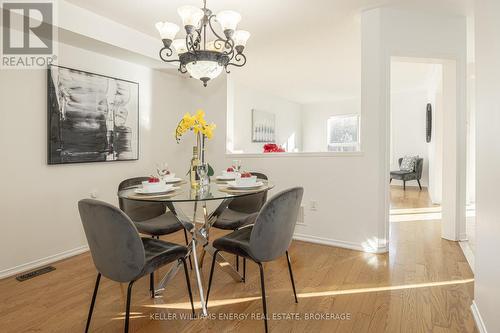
x=425, y=123
x=416, y=96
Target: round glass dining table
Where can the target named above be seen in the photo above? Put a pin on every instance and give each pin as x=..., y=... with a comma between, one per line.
x=183, y=193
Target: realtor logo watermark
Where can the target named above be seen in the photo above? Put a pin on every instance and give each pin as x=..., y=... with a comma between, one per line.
x=28, y=33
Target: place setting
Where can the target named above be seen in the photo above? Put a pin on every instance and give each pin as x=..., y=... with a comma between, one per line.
x=230, y=173
x=166, y=184
x=233, y=180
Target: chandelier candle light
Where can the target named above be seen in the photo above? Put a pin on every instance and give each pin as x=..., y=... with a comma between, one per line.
x=202, y=57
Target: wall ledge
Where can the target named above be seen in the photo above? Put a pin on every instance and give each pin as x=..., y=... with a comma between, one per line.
x=477, y=318
x=284, y=155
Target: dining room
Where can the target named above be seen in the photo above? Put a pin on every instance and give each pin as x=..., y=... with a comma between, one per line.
x=189, y=165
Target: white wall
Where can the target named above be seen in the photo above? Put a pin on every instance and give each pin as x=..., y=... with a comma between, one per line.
x=387, y=33
x=288, y=118
x=323, y=177
x=408, y=129
x=338, y=197
x=436, y=145
x=38, y=201
x=315, y=117
x=471, y=112
x=487, y=266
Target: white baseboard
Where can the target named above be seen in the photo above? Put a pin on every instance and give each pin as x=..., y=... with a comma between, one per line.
x=337, y=243
x=477, y=318
x=42, y=262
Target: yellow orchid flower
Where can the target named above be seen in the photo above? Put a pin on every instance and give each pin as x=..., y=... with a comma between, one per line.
x=199, y=114
x=208, y=130
x=188, y=120
x=196, y=123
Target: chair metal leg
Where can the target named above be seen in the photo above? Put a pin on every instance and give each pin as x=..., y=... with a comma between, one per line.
x=187, y=243
x=237, y=263
x=390, y=180
x=419, y=185
x=404, y=185
x=188, y=284
x=263, y=289
x=152, y=278
x=152, y=284
x=291, y=276
x=244, y=269
x=92, y=303
x=211, y=276
x=127, y=310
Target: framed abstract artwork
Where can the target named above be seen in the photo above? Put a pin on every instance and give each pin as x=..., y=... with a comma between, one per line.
x=263, y=126
x=91, y=117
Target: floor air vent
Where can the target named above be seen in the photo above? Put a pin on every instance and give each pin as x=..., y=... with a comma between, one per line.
x=35, y=273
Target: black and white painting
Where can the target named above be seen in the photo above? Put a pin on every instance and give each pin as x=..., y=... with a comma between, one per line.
x=263, y=126
x=91, y=117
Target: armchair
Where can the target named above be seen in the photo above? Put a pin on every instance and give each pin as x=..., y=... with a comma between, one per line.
x=405, y=176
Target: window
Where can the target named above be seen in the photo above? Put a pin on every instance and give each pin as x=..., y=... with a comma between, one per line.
x=343, y=133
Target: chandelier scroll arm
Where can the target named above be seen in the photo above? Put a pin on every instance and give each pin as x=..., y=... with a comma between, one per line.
x=197, y=40
x=228, y=43
x=168, y=53
x=189, y=43
x=240, y=59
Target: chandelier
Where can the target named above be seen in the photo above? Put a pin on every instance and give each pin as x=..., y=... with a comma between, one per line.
x=203, y=57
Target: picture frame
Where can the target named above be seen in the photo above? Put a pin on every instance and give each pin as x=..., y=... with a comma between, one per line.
x=263, y=126
x=91, y=117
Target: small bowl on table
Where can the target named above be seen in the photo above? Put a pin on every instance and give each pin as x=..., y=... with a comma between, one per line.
x=246, y=181
x=152, y=186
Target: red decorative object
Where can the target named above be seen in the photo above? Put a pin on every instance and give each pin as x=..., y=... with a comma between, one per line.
x=273, y=148
x=153, y=179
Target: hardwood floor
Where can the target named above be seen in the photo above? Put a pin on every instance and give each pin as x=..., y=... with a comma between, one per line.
x=423, y=285
x=413, y=197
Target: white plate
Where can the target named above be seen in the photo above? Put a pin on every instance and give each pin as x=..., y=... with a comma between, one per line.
x=166, y=189
x=244, y=186
x=173, y=180
x=224, y=177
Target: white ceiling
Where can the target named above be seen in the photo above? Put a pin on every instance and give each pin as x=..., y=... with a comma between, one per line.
x=304, y=51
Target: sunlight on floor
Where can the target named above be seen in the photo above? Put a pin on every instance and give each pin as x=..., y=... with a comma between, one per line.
x=415, y=217
x=387, y=288
x=214, y=303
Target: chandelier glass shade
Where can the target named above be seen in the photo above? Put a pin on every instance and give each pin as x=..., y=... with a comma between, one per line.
x=204, y=57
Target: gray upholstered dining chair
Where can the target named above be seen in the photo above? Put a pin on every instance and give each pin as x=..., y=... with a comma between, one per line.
x=150, y=218
x=405, y=176
x=241, y=212
x=119, y=253
x=268, y=239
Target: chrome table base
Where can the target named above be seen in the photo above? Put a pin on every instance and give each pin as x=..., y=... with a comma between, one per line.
x=199, y=236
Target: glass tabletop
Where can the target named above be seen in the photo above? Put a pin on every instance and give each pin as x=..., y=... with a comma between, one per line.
x=184, y=193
